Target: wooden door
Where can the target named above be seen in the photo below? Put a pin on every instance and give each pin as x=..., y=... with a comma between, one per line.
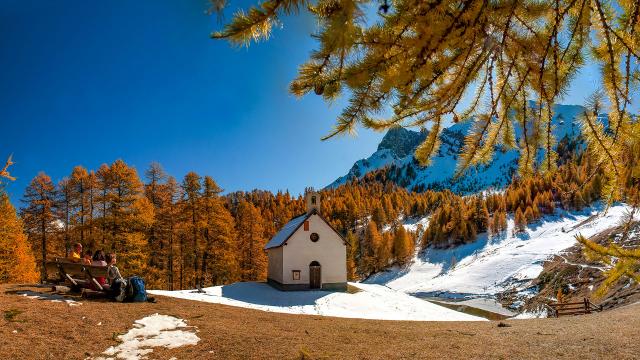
x=315, y=276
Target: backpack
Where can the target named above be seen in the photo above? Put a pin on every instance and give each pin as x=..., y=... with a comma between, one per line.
x=135, y=290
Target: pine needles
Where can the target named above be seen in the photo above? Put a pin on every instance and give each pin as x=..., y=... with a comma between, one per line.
x=423, y=58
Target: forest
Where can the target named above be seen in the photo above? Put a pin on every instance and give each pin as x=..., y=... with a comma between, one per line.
x=182, y=233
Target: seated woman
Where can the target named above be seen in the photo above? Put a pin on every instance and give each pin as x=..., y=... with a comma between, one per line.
x=114, y=279
x=99, y=260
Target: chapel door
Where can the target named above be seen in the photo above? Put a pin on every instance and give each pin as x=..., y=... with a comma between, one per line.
x=315, y=275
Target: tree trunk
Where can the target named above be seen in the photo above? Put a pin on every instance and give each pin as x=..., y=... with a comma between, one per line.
x=43, y=275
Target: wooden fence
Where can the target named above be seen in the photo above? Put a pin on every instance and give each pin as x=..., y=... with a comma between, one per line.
x=574, y=308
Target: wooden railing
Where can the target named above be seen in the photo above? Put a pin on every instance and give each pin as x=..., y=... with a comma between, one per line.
x=574, y=308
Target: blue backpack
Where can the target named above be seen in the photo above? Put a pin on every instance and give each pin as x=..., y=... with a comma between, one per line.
x=136, y=292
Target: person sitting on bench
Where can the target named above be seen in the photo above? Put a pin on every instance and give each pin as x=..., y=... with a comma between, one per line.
x=99, y=260
x=76, y=253
x=86, y=260
x=114, y=279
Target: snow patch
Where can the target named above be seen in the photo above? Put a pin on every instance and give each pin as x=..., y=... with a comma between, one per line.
x=536, y=314
x=371, y=302
x=51, y=297
x=151, y=331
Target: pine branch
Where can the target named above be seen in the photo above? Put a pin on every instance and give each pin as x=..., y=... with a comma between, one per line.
x=4, y=172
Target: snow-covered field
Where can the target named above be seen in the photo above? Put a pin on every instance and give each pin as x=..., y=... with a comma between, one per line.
x=372, y=302
x=492, y=265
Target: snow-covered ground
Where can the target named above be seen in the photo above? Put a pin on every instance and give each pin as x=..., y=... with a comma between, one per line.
x=51, y=297
x=491, y=265
x=371, y=302
x=487, y=305
x=151, y=331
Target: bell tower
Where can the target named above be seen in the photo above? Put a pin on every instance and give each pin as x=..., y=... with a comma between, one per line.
x=312, y=199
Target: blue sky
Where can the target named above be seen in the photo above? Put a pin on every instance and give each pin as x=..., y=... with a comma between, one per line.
x=83, y=83
x=86, y=83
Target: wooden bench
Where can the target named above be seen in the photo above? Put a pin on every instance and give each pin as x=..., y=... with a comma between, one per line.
x=77, y=274
x=574, y=308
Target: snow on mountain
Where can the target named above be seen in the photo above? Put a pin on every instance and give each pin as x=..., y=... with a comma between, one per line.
x=490, y=266
x=398, y=145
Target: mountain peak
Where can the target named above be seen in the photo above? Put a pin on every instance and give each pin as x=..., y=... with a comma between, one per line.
x=401, y=141
x=396, y=149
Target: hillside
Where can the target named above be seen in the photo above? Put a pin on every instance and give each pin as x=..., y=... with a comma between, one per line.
x=396, y=152
x=577, y=276
x=491, y=266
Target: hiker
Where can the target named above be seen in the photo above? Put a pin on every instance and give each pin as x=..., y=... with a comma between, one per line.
x=114, y=282
x=76, y=253
x=86, y=260
x=98, y=259
x=121, y=289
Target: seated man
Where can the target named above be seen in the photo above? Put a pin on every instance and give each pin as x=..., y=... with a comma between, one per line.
x=76, y=253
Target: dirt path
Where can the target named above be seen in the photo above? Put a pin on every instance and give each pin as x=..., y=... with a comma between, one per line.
x=42, y=329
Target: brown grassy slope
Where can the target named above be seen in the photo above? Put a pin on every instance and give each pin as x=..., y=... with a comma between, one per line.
x=48, y=330
x=579, y=278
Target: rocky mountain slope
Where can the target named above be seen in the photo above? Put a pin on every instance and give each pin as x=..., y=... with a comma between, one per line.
x=398, y=145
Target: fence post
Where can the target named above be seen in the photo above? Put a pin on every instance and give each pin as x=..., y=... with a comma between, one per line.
x=587, y=310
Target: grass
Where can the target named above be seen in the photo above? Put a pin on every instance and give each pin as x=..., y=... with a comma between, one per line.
x=55, y=330
x=11, y=314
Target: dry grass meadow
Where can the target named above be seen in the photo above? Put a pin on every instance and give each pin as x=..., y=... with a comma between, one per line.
x=42, y=329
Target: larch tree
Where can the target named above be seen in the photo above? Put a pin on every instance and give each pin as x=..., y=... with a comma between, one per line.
x=192, y=189
x=169, y=218
x=103, y=183
x=251, y=242
x=422, y=59
x=39, y=215
x=402, y=245
x=81, y=188
x=372, y=243
x=220, y=253
x=17, y=263
x=126, y=193
x=63, y=206
x=153, y=190
x=503, y=64
x=353, y=253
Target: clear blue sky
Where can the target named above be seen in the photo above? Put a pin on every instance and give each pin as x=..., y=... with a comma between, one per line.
x=86, y=83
